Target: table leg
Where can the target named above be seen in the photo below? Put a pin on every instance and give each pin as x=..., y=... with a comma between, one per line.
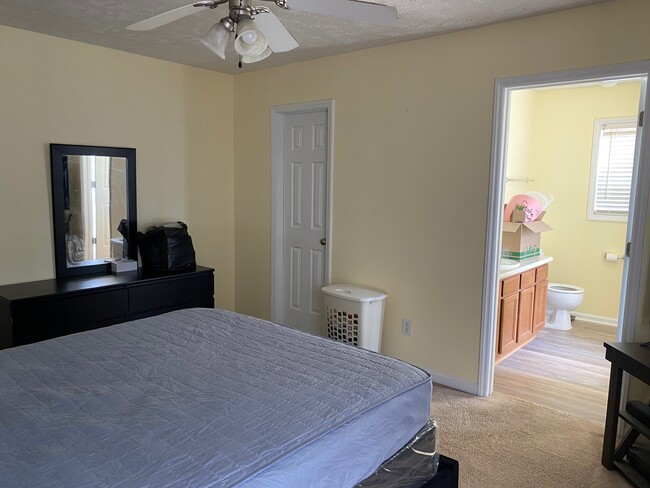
x=611, y=419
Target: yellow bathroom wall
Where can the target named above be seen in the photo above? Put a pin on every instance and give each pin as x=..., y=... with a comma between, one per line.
x=559, y=147
x=520, y=133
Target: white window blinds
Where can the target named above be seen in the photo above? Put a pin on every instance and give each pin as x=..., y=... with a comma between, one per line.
x=611, y=172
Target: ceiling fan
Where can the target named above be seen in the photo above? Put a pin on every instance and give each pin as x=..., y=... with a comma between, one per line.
x=258, y=32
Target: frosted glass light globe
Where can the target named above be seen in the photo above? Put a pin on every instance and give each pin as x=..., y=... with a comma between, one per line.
x=249, y=41
x=249, y=37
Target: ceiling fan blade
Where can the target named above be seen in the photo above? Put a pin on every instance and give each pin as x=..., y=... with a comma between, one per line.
x=166, y=17
x=349, y=9
x=278, y=37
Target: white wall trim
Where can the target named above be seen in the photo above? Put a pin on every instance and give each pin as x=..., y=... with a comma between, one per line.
x=452, y=382
x=277, y=136
x=636, y=232
x=597, y=319
x=493, y=243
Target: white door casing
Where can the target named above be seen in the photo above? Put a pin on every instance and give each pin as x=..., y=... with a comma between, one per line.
x=301, y=202
x=636, y=220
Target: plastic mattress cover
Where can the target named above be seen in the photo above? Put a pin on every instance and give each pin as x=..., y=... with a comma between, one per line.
x=410, y=467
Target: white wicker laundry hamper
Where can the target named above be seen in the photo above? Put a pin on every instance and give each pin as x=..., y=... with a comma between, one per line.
x=354, y=315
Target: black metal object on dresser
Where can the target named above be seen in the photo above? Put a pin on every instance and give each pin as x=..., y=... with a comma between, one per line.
x=39, y=310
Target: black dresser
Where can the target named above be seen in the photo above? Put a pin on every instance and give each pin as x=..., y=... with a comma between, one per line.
x=39, y=310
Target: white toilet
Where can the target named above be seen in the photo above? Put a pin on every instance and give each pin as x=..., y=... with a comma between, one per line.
x=561, y=300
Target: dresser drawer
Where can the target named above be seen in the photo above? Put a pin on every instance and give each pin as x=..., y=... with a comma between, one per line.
x=55, y=316
x=172, y=294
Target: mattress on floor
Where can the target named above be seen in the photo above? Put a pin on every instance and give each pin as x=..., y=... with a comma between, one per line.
x=203, y=398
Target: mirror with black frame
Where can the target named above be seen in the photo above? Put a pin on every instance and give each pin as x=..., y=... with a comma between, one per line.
x=94, y=205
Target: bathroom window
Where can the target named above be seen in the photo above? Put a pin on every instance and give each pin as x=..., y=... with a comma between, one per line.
x=612, y=162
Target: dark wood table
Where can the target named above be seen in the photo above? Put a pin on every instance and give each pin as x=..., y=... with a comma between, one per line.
x=634, y=359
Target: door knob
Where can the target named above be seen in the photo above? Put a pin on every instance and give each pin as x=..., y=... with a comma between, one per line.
x=323, y=241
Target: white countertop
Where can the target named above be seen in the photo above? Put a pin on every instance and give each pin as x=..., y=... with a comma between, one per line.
x=525, y=266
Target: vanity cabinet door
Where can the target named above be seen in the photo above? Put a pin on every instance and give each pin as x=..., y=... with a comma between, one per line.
x=508, y=310
x=508, y=324
x=525, y=319
x=539, y=309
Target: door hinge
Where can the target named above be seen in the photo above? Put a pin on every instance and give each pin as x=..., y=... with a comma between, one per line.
x=94, y=240
x=93, y=184
x=628, y=247
x=641, y=115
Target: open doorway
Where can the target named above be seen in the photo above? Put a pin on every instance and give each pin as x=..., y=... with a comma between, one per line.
x=506, y=91
x=570, y=155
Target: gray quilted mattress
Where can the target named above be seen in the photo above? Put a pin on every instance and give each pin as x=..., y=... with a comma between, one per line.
x=196, y=397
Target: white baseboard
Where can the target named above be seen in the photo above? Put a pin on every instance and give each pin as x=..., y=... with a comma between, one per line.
x=455, y=383
x=596, y=318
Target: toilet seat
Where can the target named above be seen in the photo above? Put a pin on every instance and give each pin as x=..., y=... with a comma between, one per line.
x=562, y=288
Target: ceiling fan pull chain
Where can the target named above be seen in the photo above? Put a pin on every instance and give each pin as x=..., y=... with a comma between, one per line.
x=239, y=64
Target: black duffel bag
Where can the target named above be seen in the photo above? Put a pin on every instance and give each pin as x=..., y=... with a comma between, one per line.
x=167, y=248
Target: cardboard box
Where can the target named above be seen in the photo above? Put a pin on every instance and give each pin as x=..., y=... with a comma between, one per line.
x=522, y=241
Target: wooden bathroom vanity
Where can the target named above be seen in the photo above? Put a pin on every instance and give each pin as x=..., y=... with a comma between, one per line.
x=522, y=306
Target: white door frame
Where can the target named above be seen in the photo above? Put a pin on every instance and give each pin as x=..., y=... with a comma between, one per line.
x=278, y=114
x=639, y=205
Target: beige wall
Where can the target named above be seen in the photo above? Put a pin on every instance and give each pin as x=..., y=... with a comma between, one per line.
x=178, y=118
x=550, y=141
x=413, y=130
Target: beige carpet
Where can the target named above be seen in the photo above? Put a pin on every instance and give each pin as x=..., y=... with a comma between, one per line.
x=505, y=442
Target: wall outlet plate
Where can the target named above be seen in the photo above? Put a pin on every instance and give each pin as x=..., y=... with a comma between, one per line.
x=406, y=327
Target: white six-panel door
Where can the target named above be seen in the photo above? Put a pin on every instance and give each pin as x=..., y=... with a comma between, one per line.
x=304, y=204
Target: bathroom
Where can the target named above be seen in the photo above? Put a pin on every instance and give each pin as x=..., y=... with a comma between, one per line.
x=554, y=133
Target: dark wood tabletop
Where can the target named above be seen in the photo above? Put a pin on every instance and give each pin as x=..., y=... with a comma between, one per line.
x=632, y=358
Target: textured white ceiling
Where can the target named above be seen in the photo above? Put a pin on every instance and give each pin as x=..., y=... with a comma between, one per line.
x=103, y=22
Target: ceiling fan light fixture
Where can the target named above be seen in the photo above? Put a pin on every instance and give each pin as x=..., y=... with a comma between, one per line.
x=249, y=37
x=216, y=39
x=250, y=42
x=254, y=59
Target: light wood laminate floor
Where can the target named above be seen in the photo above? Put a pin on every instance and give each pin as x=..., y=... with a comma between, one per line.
x=563, y=370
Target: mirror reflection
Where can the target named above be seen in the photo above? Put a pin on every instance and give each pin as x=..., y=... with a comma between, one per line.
x=95, y=208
